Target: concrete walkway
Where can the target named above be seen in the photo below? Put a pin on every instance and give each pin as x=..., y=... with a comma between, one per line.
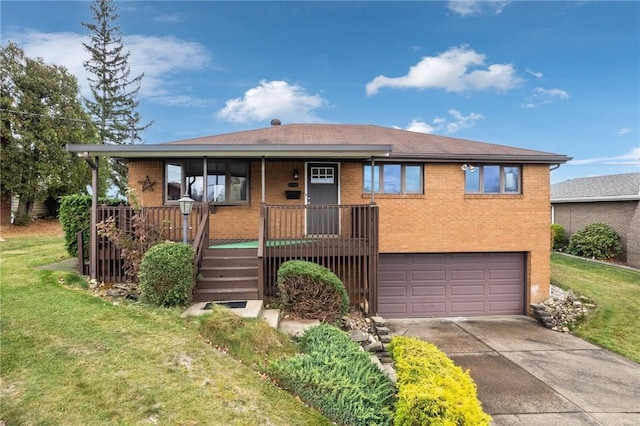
x=529, y=375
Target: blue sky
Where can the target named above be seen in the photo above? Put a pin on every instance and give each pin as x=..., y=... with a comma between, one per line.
x=561, y=77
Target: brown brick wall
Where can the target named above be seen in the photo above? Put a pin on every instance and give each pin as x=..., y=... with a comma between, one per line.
x=622, y=216
x=443, y=219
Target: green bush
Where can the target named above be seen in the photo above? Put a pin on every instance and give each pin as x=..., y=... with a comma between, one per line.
x=335, y=376
x=75, y=215
x=311, y=291
x=596, y=241
x=558, y=237
x=166, y=274
x=431, y=388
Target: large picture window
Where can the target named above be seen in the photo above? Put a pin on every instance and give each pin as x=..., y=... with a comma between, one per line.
x=393, y=178
x=227, y=182
x=493, y=179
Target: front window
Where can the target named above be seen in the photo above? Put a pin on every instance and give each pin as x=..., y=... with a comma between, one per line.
x=393, y=178
x=493, y=179
x=227, y=182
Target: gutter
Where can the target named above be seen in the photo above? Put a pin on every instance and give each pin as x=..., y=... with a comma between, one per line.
x=630, y=197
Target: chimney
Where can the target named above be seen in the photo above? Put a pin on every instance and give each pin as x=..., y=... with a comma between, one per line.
x=275, y=122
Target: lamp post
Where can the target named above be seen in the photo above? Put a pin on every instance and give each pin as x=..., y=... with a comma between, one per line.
x=186, y=204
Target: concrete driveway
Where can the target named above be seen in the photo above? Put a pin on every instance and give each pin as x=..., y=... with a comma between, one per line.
x=529, y=375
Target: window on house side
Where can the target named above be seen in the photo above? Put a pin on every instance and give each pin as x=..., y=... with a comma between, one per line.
x=395, y=179
x=493, y=179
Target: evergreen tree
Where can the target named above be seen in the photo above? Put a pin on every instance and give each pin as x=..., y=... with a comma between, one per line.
x=41, y=113
x=114, y=91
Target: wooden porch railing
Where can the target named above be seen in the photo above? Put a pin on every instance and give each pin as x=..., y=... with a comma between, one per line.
x=166, y=222
x=344, y=238
x=200, y=243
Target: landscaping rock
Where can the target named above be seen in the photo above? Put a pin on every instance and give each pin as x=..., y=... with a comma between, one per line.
x=374, y=347
x=359, y=336
x=561, y=310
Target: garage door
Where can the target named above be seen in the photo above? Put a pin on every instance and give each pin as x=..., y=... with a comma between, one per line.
x=422, y=285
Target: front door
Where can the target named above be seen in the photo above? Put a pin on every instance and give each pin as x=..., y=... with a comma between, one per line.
x=322, y=194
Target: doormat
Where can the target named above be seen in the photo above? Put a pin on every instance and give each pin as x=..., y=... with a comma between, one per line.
x=231, y=305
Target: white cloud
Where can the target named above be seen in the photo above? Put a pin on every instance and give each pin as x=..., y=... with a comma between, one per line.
x=536, y=74
x=420, y=127
x=462, y=122
x=624, y=131
x=456, y=122
x=273, y=99
x=632, y=158
x=160, y=58
x=476, y=7
x=542, y=96
x=452, y=72
x=170, y=18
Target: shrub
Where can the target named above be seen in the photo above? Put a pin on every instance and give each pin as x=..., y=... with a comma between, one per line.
x=558, y=237
x=132, y=236
x=167, y=274
x=596, y=241
x=335, y=376
x=75, y=215
x=431, y=388
x=311, y=291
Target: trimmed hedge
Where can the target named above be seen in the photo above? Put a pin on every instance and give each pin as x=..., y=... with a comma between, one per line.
x=596, y=241
x=335, y=376
x=166, y=274
x=431, y=388
x=311, y=291
x=75, y=215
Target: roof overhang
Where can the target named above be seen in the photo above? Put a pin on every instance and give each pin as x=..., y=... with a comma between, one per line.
x=485, y=159
x=232, y=151
x=630, y=197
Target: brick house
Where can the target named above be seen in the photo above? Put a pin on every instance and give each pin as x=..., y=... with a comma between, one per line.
x=415, y=225
x=612, y=199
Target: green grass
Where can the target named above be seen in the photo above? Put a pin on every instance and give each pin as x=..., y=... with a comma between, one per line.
x=68, y=357
x=249, y=340
x=616, y=291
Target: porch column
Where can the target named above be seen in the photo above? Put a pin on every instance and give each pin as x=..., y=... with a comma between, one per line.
x=264, y=172
x=373, y=163
x=93, y=261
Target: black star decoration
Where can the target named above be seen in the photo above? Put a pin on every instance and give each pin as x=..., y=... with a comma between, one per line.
x=146, y=184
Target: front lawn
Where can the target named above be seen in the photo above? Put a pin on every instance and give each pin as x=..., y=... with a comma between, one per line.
x=67, y=357
x=616, y=291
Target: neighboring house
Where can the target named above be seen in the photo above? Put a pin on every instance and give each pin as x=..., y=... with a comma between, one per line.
x=612, y=199
x=415, y=225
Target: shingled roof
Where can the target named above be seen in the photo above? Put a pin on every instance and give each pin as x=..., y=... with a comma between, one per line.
x=404, y=144
x=329, y=141
x=619, y=187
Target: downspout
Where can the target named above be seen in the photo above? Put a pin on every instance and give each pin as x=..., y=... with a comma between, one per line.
x=263, y=181
x=93, y=228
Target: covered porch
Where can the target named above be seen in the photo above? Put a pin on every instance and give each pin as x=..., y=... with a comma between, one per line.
x=345, y=240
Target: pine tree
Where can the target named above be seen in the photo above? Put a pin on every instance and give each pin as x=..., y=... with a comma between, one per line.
x=41, y=113
x=114, y=104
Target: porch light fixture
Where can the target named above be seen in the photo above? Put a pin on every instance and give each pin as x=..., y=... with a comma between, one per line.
x=186, y=205
x=296, y=174
x=469, y=167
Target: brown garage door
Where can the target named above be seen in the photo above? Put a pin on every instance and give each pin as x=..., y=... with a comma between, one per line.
x=422, y=285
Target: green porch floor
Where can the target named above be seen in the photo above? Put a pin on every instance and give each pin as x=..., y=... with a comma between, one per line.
x=254, y=244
